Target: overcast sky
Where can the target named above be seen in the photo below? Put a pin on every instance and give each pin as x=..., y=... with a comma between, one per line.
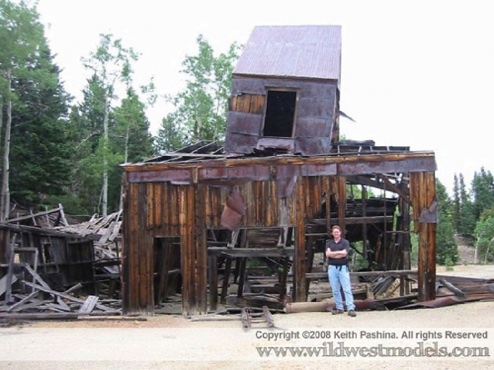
x=417, y=73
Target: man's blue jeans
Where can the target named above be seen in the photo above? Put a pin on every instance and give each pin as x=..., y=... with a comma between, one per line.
x=339, y=278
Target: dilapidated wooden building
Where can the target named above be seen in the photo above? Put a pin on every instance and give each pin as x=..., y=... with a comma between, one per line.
x=196, y=219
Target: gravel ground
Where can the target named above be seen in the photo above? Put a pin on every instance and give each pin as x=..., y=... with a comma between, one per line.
x=220, y=342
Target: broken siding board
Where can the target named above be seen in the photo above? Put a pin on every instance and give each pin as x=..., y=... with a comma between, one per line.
x=201, y=248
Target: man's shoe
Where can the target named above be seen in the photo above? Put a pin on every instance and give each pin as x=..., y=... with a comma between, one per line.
x=336, y=311
x=352, y=313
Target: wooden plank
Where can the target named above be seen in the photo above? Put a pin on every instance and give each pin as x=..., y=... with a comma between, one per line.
x=35, y=275
x=40, y=316
x=324, y=275
x=68, y=297
x=3, y=283
x=88, y=305
x=15, y=306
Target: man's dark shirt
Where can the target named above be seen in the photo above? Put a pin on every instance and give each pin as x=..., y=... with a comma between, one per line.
x=343, y=244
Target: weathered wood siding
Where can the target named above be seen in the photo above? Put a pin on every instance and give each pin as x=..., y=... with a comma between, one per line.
x=315, y=113
x=277, y=192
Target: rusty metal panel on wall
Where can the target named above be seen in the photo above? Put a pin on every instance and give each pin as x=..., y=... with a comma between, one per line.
x=240, y=143
x=244, y=123
x=313, y=145
x=313, y=127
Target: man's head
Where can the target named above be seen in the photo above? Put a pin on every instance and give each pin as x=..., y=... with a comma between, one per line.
x=336, y=231
x=336, y=227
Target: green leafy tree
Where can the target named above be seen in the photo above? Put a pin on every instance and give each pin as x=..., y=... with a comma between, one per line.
x=111, y=64
x=200, y=110
x=484, y=237
x=446, y=246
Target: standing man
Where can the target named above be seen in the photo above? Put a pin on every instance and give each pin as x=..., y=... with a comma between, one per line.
x=338, y=273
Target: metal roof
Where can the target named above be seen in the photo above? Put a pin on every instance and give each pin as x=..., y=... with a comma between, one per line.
x=292, y=51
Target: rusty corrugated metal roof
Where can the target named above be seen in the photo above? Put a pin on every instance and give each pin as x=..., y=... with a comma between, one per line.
x=292, y=51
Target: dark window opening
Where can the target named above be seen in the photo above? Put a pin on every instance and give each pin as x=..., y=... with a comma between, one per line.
x=280, y=112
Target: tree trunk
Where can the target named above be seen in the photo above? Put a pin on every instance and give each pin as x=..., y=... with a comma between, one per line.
x=104, y=195
x=5, y=195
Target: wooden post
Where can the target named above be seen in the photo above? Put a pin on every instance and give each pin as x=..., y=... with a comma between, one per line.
x=213, y=281
x=299, y=258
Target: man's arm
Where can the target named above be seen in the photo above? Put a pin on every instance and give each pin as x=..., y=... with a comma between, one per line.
x=336, y=254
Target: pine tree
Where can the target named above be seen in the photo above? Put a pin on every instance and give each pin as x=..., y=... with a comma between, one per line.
x=34, y=104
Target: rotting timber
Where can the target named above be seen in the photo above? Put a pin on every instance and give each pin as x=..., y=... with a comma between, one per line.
x=275, y=208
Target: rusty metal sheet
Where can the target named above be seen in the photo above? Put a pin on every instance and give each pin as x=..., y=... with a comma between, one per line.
x=328, y=169
x=235, y=202
x=233, y=212
x=313, y=127
x=287, y=144
x=312, y=145
x=237, y=143
x=429, y=215
x=244, y=123
x=435, y=303
x=287, y=171
x=160, y=176
x=387, y=166
x=230, y=218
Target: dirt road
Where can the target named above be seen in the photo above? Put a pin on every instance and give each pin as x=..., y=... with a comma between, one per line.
x=453, y=337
